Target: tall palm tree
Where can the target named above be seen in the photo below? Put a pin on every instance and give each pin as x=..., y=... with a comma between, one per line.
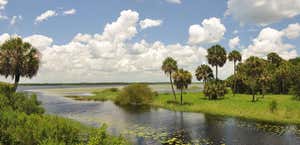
x=169, y=66
x=18, y=59
x=204, y=72
x=216, y=57
x=182, y=79
x=234, y=56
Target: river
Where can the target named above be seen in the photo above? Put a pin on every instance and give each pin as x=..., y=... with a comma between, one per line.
x=153, y=125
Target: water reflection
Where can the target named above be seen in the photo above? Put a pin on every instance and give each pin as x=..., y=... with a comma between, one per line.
x=156, y=126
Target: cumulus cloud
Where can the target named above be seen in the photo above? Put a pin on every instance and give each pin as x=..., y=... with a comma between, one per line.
x=3, y=3
x=4, y=37
x=174, y=1
x=147, y=23
x=39, y=41
x=69, y=12
x=234, y=42
x=262, y=12
x=45, y=16
x=211, y=31
x=270, y=40
x=292, y=31
x=110, y=55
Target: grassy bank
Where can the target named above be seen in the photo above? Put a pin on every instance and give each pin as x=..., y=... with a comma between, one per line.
x=240, y=105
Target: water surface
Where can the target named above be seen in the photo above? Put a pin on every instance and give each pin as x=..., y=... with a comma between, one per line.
x=153, y=125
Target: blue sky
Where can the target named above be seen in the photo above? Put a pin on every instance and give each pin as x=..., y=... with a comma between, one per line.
x=92, y=16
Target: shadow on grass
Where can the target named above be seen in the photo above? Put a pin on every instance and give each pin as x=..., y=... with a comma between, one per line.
x=178, y=103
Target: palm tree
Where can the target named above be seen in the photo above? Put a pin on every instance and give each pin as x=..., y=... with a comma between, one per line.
x=169, y=66
x=234, y=56
x=216, y=57
x=182, y=79
x=18, y=59
x=283, y=73
x=252, y=70
x=274, y=59
x=204, y=72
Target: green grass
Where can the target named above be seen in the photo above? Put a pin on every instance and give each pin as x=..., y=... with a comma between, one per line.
x=100, y=95
x=240, y=105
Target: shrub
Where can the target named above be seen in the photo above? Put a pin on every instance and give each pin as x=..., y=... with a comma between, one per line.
x=100, y=137
x=23, y=102
x=273, y=106
x=215, y=89
x=135, y=94
x=20, y=128
x=113, y=89
x=6, y=89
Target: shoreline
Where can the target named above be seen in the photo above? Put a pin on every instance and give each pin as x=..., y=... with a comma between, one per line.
x=211, y=106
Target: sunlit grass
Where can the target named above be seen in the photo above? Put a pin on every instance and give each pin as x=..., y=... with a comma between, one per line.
x=240, y=105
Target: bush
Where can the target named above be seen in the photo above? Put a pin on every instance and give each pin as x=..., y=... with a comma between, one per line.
x=215, y=89
x=20, y=128
x=100, y=137
x=273, y=106
x=6, y=89
x=113, y=89
x=135, y=94
x=21, y=102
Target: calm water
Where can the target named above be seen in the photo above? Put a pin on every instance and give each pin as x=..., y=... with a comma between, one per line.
x=152, y=125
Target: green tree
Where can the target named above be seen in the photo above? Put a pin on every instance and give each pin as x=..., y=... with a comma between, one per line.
x=204, y=72
x=215, y=89
x=264, y=82
x=182, y=79
x=169, y=66
x=18, y=59
x=216, y=57
x=252, y=70
x=274, y=59
x=283, y=75
x=234, y=56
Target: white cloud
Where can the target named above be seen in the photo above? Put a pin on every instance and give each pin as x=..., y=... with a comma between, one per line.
x=234, y=42
x=4, y=37
x=15, y=19
x=39, y=41
x=110, y=56
x=69, y=12
x=292, y=31
x=147, y=23
x=3, y=3
x=174, y=1
x=211, y=31
x=45, y=16
x=262, y=12
x=270, y=40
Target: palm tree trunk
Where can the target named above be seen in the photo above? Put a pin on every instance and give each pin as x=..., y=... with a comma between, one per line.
x=171, y=81
x=253, y=96
x=216, y=72
x=181, y=96
x=234, y=87
x=17, y=79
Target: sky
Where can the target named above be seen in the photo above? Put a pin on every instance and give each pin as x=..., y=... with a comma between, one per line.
x=127, y=40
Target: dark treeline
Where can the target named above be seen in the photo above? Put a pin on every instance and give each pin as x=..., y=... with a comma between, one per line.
x=273, y=75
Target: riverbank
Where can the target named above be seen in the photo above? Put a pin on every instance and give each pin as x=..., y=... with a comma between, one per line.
x=240, y=105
